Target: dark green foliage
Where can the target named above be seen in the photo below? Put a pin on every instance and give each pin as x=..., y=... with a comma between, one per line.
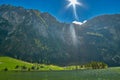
x=37, y=68
x=6, y=69
x=29, y=69
x=17, y=66
x=41, y=66
x=33, y=67
x=96, y=65
x=23, y=68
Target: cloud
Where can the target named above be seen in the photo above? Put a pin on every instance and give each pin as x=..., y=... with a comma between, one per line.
x=76, y=22
x=84, y=21
x=79, y=23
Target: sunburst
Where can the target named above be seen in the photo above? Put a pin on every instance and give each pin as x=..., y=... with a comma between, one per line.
x=74, y=3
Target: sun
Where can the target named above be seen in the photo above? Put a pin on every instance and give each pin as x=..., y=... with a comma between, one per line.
x=74, y=3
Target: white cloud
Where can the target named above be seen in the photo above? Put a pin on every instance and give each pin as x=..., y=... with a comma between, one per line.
x=84, y=21
x=79, y=23
x=76, y=22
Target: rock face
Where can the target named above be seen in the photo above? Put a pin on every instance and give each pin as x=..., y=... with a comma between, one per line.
x=38, y=37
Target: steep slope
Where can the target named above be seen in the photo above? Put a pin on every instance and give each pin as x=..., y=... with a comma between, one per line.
x=38, y=37
x=33, y=35
x=101, y=38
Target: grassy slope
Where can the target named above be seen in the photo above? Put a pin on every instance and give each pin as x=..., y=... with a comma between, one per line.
x=10, y=63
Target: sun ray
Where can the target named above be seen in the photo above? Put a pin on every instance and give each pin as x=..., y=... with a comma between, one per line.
x=73, y=3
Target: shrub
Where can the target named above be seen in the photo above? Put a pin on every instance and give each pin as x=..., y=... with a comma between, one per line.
x=29, y=69
x=96, y=65
x=33, y=67
x=17, y=66
x=41, y=66
x=37, y=68
x=23, y=67
x=6, y=69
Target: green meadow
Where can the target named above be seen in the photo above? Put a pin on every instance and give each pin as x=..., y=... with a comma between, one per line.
x=11, y=63
x=52, y=72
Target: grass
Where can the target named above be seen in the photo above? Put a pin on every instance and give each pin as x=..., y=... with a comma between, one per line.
x=11, y=63
x=100, y=74
x=52, y=72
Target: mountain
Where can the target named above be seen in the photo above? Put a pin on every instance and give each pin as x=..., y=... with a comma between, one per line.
x=34, y=36
x=101, y=35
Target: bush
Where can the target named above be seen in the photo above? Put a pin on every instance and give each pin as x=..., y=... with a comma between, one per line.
x=41, y=66
x=6, y=69
x=37, y=68
x=17, y=66
x=96, y=65
x=33, y=67
x=23, y=67
x=29, y=69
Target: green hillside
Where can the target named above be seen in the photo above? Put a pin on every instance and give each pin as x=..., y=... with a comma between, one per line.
x=11, y=63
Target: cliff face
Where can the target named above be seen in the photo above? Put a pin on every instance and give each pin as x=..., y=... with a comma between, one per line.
x=38, y=37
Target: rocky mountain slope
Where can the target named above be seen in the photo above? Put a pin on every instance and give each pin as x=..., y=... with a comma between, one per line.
x=38, y=37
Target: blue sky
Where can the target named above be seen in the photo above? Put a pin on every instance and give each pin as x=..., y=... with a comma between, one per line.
x=58, y=9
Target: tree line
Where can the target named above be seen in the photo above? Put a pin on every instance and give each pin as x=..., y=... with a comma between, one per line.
x=91, y=65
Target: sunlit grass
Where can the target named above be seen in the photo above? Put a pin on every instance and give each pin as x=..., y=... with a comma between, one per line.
x=10, y=64
x=53, y=72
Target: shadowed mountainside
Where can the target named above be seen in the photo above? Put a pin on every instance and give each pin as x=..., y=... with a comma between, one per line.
x=33, y=36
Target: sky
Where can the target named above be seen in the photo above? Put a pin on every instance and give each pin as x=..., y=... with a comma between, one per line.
x=59, y=9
